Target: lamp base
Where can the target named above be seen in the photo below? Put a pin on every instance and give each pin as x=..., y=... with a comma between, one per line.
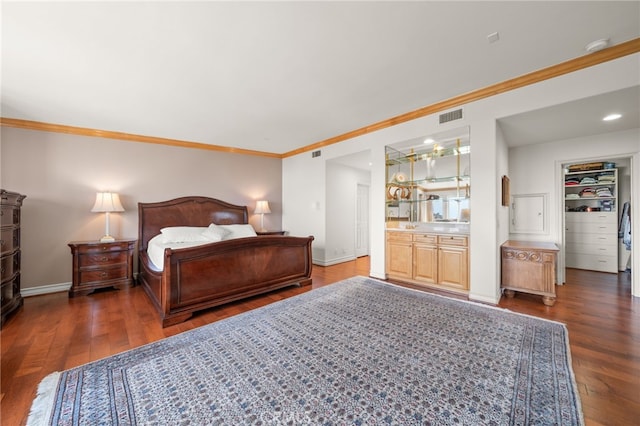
x=107, y=239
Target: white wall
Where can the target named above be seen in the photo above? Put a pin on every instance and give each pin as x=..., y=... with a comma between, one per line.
x=488, y=221
x=537, y=169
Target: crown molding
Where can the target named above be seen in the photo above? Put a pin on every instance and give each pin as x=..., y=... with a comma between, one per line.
x=83, y=131
x=618, y=51
x=605, y=55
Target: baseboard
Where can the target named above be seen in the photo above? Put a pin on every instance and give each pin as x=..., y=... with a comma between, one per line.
x=44, y=289
x=484, y=299
x=381, y=275
x=333, y=261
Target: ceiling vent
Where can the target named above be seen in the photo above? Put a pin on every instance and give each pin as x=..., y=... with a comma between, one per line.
x=315, y=154
x=451, y=116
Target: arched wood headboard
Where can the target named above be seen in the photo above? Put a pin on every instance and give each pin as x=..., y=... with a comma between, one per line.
x=186, y=211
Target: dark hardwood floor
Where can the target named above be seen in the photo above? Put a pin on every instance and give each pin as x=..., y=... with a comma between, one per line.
x=53, y=332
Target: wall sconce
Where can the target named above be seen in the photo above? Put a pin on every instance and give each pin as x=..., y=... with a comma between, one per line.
x=262, y=208
x=107, y=202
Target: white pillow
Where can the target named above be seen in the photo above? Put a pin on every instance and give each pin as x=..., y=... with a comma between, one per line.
x=215, y=233
x=238, y=231
x=183, y=234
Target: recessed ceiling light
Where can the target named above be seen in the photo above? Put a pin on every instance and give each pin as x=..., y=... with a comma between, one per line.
x=594, y=46
x=429, y=140
x=612, y=117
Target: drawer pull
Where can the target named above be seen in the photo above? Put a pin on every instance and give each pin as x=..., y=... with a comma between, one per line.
x=105, y=248
x=103, y=274
x=104, y=258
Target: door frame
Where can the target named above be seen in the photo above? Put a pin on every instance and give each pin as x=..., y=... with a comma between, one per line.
x=634, y=161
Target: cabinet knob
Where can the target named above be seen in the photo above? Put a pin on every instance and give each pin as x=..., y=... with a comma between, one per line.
x=104, y=274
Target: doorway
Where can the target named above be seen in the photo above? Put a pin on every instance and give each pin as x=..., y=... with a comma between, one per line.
x=593, y=226
x=362, y=221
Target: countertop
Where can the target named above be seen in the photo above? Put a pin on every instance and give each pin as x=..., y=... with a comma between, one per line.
x=435, y=228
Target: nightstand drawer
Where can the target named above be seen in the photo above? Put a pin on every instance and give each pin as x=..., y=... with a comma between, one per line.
x=105, y=274
x=104, y=258
x=102, y=248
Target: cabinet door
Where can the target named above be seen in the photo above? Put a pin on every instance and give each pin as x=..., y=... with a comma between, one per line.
x=399, y=259
x=425, y=263
x=453, y=267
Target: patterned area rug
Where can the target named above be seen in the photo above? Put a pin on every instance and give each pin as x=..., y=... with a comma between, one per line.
x=360, y=352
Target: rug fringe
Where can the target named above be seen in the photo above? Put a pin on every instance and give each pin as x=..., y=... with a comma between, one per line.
x=42, y=405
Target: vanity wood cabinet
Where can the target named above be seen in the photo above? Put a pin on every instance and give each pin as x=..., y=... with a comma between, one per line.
x=433, y=260
x=399, y=262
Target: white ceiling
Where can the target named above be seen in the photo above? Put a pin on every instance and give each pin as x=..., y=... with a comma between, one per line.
x=574, y=119
x=277, y=76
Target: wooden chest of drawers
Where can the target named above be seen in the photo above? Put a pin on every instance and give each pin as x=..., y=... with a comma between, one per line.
x=97, y=265
x=11, y=299
x=529, y=267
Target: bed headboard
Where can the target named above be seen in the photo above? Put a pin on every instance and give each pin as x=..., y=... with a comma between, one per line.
x=185, y=211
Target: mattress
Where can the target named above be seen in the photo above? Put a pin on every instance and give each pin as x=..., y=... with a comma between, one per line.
x=156, y=246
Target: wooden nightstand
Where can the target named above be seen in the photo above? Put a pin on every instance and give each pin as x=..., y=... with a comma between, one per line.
x=271, y=232
x=97, y=265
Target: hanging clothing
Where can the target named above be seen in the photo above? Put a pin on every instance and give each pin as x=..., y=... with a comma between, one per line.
x=624, y=229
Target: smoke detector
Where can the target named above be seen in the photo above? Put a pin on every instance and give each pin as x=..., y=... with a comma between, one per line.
x=594, y=46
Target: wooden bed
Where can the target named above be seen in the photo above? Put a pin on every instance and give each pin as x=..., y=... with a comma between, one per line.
x=201, y=277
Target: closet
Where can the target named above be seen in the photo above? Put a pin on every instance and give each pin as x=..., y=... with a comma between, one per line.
x=591, y=216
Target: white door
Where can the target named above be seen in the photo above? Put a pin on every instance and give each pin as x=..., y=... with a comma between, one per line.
x=362, y=221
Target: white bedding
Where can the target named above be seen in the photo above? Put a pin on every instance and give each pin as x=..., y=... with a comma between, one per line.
x=156, y=246
x=182, y=237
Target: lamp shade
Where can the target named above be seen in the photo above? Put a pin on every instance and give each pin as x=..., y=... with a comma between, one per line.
x=262, y=207
x=107, y=202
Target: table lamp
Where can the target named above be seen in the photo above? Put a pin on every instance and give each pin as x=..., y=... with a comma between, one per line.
x=107, y=202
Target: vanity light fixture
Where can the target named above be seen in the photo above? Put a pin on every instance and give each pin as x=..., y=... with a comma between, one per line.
x=612, y=117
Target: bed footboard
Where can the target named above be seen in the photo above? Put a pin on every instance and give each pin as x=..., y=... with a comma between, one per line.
x=201, y=277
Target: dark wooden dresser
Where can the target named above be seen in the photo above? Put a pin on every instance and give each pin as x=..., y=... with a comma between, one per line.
x=10, y=252
x=98, y=265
